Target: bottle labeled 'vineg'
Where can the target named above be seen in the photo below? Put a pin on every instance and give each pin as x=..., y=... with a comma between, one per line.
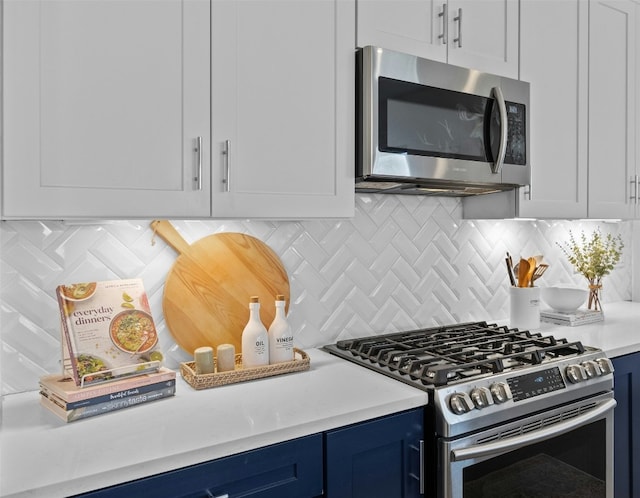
x=280, y=335
x=255, y=340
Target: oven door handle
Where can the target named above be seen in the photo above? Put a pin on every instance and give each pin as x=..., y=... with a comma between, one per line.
x=483, y=450
x=496, y=167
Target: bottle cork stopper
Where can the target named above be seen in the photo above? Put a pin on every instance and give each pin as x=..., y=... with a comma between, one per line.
x=280, y=297
x=254, y=299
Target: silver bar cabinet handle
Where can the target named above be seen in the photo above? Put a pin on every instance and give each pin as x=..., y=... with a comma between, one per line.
x=225, y=152
x=458, y=18
x=198, y=151
x=443, y=14
x=496, y=167
x=634, y=183
x=211, y=495
x=421, y=466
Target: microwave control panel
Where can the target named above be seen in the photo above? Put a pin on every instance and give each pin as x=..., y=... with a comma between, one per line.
x=517, y=134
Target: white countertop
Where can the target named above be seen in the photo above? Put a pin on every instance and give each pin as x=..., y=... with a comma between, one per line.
x=617, y=335
x=42, y=456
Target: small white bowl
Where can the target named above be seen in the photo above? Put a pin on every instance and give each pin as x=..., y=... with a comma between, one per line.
x=565, y=299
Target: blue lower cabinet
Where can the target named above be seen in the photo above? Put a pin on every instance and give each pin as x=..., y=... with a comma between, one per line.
x=290, y=469
x=627, y=426
x=378, y=458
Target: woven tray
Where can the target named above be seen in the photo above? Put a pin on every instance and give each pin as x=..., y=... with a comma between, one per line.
x=205, y=381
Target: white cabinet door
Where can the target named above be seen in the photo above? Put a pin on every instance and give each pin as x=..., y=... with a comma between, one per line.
x=613, y=90
x=416, y=27
x=478, y=34
x=103, y=103
x=553, y=58
x=283, y=108
x=483, y=35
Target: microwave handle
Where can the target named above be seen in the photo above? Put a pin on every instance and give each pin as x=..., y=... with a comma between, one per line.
x=496, y=167
x=502, y=446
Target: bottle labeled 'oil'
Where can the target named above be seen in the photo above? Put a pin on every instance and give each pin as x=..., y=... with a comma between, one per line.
x=255, y=340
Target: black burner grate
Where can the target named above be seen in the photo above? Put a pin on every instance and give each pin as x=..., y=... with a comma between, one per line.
x=440, y=355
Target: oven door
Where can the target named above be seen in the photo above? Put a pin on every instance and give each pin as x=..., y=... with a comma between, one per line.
x=566, y=451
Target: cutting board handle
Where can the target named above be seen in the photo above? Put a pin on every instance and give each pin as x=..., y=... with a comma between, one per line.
x=170, y=235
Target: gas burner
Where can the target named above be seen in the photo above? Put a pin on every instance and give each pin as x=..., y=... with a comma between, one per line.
x=444, y=355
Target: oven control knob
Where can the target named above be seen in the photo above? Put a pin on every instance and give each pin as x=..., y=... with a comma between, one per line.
x=460, y=403
x=500, y=392
x=605, y=365
x=592, y=369
x=575, y=374
x=481, y=397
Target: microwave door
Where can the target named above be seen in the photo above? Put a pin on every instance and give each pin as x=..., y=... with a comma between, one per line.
x=425, y=132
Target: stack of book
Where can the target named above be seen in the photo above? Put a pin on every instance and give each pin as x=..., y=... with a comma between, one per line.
x=572, y=319
x=61, y=395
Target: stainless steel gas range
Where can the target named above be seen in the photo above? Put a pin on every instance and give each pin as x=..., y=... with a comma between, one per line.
x=512, y=413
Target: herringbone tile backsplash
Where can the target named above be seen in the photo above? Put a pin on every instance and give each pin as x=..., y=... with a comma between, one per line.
x=402, y=262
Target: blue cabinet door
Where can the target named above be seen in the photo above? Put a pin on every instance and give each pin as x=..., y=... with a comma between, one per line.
x=627, y=426
x=292, y=469
x=376, y=458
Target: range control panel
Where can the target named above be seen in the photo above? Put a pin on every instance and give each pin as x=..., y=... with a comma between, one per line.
x=505, y=389
x=536, y=383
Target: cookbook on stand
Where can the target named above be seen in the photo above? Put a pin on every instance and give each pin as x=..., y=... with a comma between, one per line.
x=107, y=331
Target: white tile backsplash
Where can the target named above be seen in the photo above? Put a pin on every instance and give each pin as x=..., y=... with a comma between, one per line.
x=402, y=262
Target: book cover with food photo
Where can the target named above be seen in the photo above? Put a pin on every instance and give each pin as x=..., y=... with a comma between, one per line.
x=107, y=331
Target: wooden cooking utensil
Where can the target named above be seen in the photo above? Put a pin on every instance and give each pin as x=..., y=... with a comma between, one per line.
x=540, y=269
x=207, y=291
x=532, y=269
x=523, y=272
x=512, y=279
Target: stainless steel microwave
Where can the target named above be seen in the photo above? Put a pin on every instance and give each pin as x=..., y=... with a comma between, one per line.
x=425, y=127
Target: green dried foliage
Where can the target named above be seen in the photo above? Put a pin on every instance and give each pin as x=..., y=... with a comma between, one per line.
x=594, y=257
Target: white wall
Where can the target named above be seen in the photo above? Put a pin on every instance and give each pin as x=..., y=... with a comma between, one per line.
x=402, y=262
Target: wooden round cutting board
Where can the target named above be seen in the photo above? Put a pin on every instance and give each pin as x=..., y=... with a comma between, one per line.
x=207, y=291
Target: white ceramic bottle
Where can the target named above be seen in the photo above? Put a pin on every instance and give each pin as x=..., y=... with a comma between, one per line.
x=280, y=335
x=255, y=340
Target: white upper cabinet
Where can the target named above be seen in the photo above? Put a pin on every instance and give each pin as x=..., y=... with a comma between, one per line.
x=581, y=59
x=483, y=35
x=414, y=27
x=110, y=108
x=476, y=34
x=283, y=104
x=554, y=59
x=103, y=105
x=613, y=94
